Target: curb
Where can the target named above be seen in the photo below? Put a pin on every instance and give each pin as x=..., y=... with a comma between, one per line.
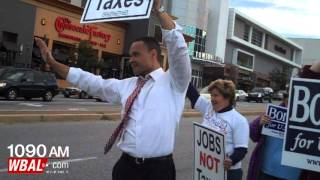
x=69, y=117
x=14, y=118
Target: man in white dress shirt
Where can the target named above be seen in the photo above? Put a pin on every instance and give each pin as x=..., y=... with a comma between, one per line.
x=152, y=102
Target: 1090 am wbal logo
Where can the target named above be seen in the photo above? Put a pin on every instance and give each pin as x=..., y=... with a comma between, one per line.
x=38, y=159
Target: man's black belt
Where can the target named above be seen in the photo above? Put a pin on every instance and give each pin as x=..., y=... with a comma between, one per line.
x=140, y=161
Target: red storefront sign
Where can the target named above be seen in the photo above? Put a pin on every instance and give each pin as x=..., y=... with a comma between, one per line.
x=64, y=23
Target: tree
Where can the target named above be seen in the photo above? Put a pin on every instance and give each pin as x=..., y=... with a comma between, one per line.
x=87, y=58
x=280, y=78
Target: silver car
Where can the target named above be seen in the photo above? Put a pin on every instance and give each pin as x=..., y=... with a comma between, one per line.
x=241, y=95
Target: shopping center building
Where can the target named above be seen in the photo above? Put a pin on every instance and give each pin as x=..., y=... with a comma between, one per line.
x=254, y=51
x=16, y=33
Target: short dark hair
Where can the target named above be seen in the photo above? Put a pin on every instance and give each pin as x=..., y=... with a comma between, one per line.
x=151, y=43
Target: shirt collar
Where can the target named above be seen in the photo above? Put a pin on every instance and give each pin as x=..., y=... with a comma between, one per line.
x=226, y=109
x=156, y=74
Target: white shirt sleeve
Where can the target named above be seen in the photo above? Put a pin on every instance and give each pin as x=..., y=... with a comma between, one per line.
x=106, y=89
x=240, y=132
x=178, y=57
x=202, y=105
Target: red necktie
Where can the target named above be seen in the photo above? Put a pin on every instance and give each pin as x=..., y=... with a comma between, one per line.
x=125, y=119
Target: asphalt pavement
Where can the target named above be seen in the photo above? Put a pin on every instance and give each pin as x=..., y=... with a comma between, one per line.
x=86, y=140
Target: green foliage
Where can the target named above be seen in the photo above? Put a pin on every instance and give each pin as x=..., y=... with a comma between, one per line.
x=280, y=78
x=87, y=58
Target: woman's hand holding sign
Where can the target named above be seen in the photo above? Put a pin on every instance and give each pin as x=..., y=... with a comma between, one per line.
x=264, y=119
x=227, y=163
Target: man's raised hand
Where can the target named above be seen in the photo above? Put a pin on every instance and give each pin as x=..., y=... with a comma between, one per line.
x=45, y=52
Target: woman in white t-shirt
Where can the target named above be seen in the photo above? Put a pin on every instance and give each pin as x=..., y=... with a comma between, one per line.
x=219, y=114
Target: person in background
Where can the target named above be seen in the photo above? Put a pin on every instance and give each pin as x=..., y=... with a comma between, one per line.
x=220, y=115
x=265, y=161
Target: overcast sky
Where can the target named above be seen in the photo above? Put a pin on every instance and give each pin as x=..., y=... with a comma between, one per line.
x=291, y=18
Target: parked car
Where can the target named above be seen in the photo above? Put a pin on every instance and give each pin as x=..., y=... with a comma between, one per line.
x=27, y=83
x=73, y=91
x=279, y=95
x=260, y=94
x=241, y=95
x=268, y=90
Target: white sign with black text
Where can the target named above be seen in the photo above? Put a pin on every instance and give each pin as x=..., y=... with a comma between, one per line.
x=277, y=125
x=209, y=154
x=116, y=10
x=302, y=135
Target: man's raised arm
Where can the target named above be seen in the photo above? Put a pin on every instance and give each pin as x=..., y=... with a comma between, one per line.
x=179, y=61
x=57, y=67
x=90, y=83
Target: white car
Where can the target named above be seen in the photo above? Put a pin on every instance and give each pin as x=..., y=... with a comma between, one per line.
x=204, y=92
x=241, y=95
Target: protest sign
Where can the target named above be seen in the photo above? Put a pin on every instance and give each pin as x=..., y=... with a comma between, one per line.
x=302, y=135
x=209, y=153
x=277, y=125
x=116, y=10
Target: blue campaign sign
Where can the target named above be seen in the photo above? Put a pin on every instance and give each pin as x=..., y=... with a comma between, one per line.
x=302, y=136
x=278, y=117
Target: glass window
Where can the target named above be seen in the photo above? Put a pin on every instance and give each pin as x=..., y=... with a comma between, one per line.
x=2, y=70
x=199, y=42
x=197, y=32
x=29, y=77
x=204, y=34
x=257, y=37
x=266, y=42
x=62, y=52
x=13, y=75
x=38, y=77
x=246, y=32
x=196, y=79
x=245, y=60
x=111, y=66
x=9, y=37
